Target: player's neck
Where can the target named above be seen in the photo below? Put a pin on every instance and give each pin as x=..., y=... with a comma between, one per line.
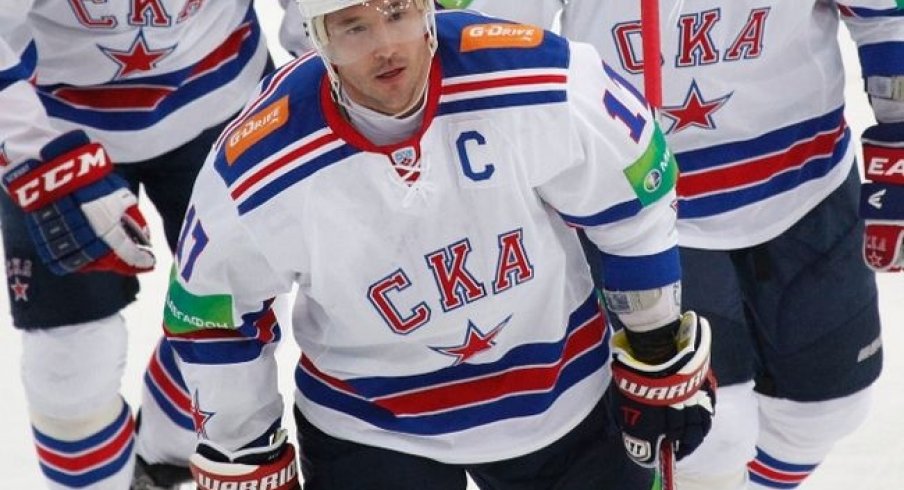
x=383, y=129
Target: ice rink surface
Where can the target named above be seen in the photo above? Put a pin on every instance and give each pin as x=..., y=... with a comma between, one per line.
x=872, y=458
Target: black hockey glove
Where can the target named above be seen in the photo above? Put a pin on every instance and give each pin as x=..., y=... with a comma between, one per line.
x=668, y=403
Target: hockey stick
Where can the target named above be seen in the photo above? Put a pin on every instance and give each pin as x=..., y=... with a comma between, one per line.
x=652, y=88
x=667, y=466
x=652, y=69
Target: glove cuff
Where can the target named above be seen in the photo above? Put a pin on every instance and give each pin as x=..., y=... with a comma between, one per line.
x=883, y=153
x=277, y=470
x=656, y=385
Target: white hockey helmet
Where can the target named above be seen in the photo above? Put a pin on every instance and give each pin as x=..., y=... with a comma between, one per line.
x=314, y=11
x=316, y=8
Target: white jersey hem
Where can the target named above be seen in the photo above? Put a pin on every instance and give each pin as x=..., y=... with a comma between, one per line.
x=497, y=441
x=749, y=234
x=184, y=124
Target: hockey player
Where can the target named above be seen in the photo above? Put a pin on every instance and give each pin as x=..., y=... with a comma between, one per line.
x=768, y=197
x=419, y=179
x=99, y=98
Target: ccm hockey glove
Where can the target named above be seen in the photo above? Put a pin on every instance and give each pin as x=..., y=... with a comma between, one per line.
x=669, y=403
x=882, y=199
x=81, y=216
x=272, y=467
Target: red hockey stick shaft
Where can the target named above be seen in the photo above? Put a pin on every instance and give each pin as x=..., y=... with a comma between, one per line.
x=652, y=88
x=667, y=466
x=652, y=67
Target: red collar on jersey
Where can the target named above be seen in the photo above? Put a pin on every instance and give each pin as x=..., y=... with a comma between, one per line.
x=347, y=132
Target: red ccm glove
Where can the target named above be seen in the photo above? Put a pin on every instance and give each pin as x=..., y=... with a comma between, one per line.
x=80, y=215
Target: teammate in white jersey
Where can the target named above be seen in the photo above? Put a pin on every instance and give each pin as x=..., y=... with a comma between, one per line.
x=753, y=107
x=98, y=98
x=419, y=178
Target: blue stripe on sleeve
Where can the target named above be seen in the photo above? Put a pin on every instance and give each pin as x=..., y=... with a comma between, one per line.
x=610, y=215
x=641, y=272
x=218, y=352
x=22, y=70
x=867, y=13
x=882, y=59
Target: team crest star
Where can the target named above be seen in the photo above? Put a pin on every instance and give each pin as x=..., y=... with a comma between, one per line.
x=138, y=58
x=19, y=289
x=475, y=342
x=874, y=259
x=694, y=111
x=199, y=417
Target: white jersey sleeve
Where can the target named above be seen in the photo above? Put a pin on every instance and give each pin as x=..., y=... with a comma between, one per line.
x=877, y=26
x=220, y=298
x=23, y=122
x=292, y=36
x=620, y=182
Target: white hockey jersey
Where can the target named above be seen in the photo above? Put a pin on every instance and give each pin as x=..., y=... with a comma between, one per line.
x=142, y=77
x=444, y=305
x=753, y=96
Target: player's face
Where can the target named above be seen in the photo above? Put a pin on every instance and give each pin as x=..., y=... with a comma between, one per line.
x=381, y=54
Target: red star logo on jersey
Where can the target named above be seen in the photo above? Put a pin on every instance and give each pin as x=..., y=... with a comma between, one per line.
x=475, y=342
x=695, y=111
x=138, y=58
x=199, y=417
x=19, y=289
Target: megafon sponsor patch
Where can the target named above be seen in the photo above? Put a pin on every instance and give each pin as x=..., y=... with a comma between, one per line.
x=655, y=173
x=500, y=35
x=256, y=127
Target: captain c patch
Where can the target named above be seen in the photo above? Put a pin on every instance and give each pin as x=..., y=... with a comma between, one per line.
x=256, y=127
x=500, y=35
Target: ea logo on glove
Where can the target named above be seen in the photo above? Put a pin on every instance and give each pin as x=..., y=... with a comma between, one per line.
x=638, y=449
